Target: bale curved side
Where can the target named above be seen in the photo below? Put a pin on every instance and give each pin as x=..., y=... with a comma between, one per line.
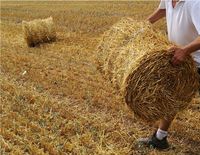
x=117, y=36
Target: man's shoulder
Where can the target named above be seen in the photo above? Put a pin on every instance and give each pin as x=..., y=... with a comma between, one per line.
x=191, y=3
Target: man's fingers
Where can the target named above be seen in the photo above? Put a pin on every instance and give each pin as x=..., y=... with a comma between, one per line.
x=172, y=49
x=175, y=61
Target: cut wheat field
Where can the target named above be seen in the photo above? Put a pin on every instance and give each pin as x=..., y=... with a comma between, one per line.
x=53, y=98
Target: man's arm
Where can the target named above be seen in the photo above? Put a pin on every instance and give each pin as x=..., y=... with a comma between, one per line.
x=158, y=14
x=181, y=53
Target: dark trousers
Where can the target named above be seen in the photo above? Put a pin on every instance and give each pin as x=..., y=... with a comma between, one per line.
x=199, y=76
x=199, y=71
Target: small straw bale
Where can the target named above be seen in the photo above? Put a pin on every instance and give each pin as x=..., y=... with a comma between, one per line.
x=141, y=68
x=39, y=31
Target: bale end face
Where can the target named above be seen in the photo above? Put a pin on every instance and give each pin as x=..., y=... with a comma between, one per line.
x=156, y=89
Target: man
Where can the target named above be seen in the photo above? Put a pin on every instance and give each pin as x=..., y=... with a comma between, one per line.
x=183, y=26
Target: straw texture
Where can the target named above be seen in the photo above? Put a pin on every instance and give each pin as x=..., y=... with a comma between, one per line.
x=39, y=31
x=138, y=64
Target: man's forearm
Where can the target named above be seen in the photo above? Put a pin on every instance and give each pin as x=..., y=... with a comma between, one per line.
x=193, y=46
x=158, y=14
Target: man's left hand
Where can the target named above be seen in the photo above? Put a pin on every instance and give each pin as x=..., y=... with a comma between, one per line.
x=179, y=55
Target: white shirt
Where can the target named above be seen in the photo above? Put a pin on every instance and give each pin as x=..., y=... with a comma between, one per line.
x=183, y=23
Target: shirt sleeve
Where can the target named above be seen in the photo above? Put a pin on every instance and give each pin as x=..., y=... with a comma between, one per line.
x=162, y=4
x=195, y=15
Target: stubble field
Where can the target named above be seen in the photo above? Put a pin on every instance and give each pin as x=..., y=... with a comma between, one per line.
x=53, y=98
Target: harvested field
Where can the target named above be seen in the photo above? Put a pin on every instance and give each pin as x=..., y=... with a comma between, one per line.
x=54, y=100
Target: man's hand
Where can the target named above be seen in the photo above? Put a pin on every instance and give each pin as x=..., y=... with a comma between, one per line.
x=179, y=55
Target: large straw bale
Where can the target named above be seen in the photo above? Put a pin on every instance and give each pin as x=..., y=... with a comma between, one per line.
x=39, y=31
x=140, y=67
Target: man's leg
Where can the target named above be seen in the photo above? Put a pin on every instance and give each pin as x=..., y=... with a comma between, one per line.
x=163, y=128
x=165, y=124
x=159, y=138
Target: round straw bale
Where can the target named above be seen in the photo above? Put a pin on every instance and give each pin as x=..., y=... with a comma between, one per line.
x=140, y=67
x=39, y=31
